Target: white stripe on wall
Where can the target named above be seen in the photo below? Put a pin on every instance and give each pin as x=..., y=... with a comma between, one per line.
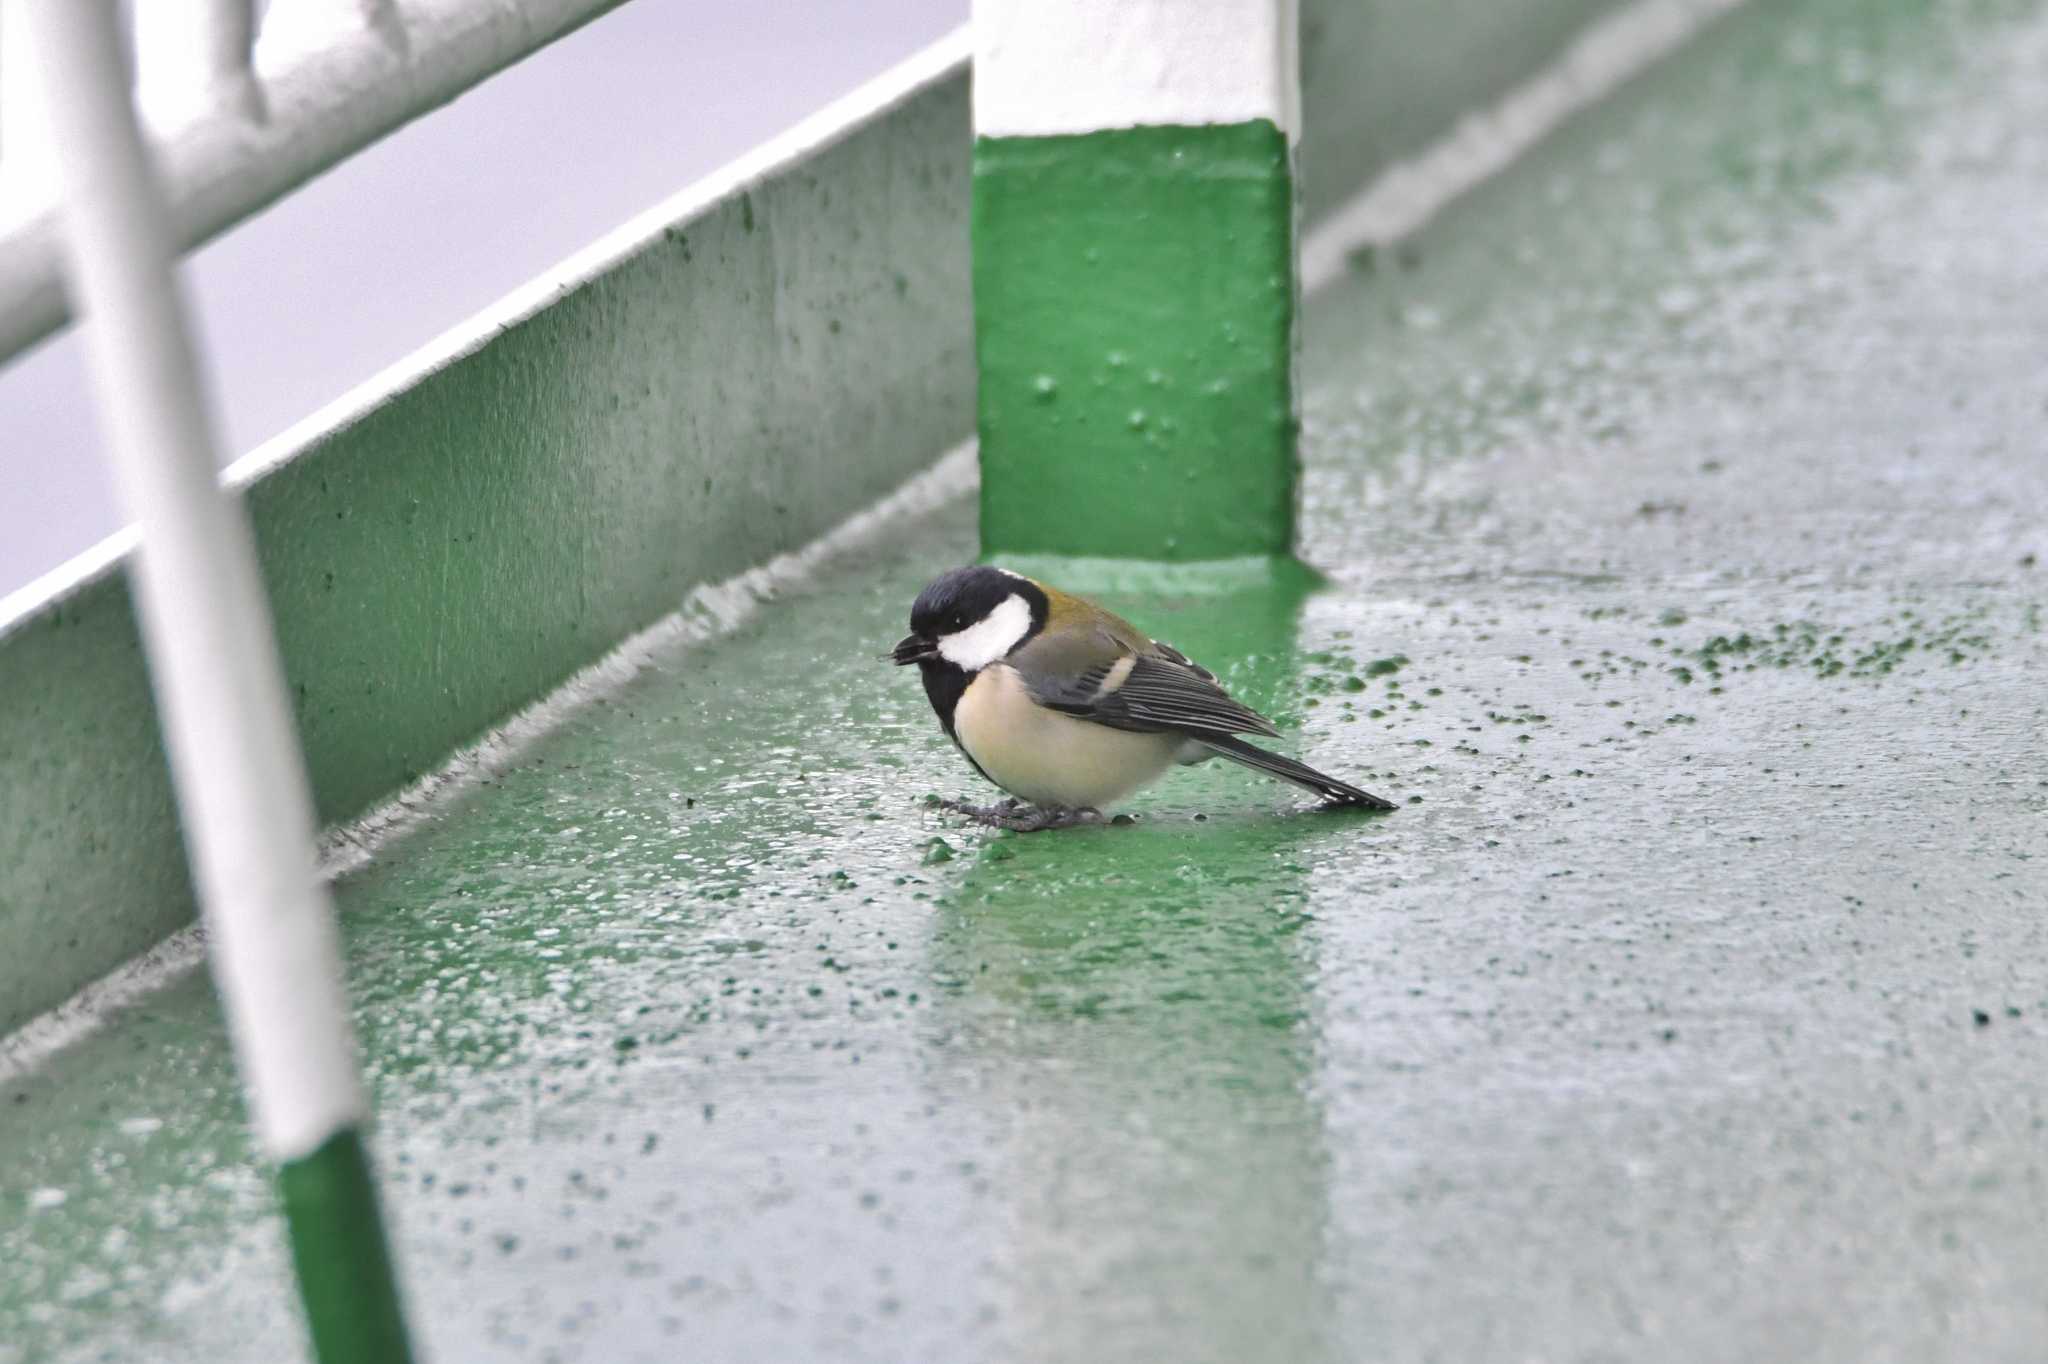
x=1044, y=67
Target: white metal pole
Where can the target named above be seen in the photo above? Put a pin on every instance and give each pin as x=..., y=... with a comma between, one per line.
x=320, y=21
x=194, y=58
x=25, y=169
x=246, y=807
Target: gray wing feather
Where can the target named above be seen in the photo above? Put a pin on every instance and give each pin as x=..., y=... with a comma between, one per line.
x=1162, y=691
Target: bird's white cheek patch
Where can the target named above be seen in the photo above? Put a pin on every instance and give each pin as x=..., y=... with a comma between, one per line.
x=989, y=638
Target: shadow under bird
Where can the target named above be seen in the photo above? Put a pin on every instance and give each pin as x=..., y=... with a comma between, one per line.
x=1069, y=707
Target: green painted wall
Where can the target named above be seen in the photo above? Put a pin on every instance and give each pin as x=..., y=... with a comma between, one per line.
x=1134, y=321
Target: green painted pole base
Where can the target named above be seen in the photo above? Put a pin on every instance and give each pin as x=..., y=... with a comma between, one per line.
x=1134, y=304
x=343, y=1263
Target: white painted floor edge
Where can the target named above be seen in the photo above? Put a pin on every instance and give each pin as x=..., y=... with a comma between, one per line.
x=82, y=1015
x=1607, y=54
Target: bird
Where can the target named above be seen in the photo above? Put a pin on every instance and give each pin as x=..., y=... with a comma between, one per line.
x=1069, y=707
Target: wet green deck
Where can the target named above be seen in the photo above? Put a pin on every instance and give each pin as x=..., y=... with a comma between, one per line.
x=1695, y=1009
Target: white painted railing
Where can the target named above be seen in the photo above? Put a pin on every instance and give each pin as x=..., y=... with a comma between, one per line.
x=245, y=803
x=240, y=112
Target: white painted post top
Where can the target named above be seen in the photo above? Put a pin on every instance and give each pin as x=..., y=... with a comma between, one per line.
x=1043, y=67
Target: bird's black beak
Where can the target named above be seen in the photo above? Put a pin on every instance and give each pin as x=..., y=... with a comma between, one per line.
x=913, y=649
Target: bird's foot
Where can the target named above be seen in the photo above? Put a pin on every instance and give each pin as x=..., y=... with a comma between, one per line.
x=982, y=812
x=1031, y=819
x=1018, y=817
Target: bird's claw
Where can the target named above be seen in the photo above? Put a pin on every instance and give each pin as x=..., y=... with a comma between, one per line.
x=1018, y=817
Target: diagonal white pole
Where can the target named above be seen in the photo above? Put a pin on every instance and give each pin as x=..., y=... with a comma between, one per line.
x=240, y=778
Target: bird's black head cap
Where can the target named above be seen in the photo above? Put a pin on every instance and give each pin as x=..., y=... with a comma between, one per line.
x=964, y=597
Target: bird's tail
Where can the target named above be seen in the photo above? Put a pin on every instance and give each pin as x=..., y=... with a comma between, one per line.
x=1287, y=769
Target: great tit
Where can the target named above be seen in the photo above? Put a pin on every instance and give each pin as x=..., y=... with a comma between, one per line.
x=1068, y=707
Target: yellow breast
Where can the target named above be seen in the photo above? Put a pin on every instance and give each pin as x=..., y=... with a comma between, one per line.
x=1048, y=758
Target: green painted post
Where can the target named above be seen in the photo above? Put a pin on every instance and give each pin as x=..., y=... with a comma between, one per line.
x=346, y=1279
x=1134, y=276
x=246, y=807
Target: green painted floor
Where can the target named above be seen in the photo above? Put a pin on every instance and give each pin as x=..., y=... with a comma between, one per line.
x=1684, y=496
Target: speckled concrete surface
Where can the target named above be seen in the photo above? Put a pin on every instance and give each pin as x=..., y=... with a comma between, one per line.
x=1683, y=495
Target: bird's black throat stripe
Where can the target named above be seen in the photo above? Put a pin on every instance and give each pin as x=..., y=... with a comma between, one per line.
x=944, y=685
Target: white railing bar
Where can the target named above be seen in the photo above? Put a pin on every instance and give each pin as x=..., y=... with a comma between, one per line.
x=329, y=16
x=323, y=102
x=24, y=151
x=368, y=12
x=245, y=804
x=248, y=811
x=194, y=57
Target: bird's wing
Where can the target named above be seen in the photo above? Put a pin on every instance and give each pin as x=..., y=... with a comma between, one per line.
x=1157, y=689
